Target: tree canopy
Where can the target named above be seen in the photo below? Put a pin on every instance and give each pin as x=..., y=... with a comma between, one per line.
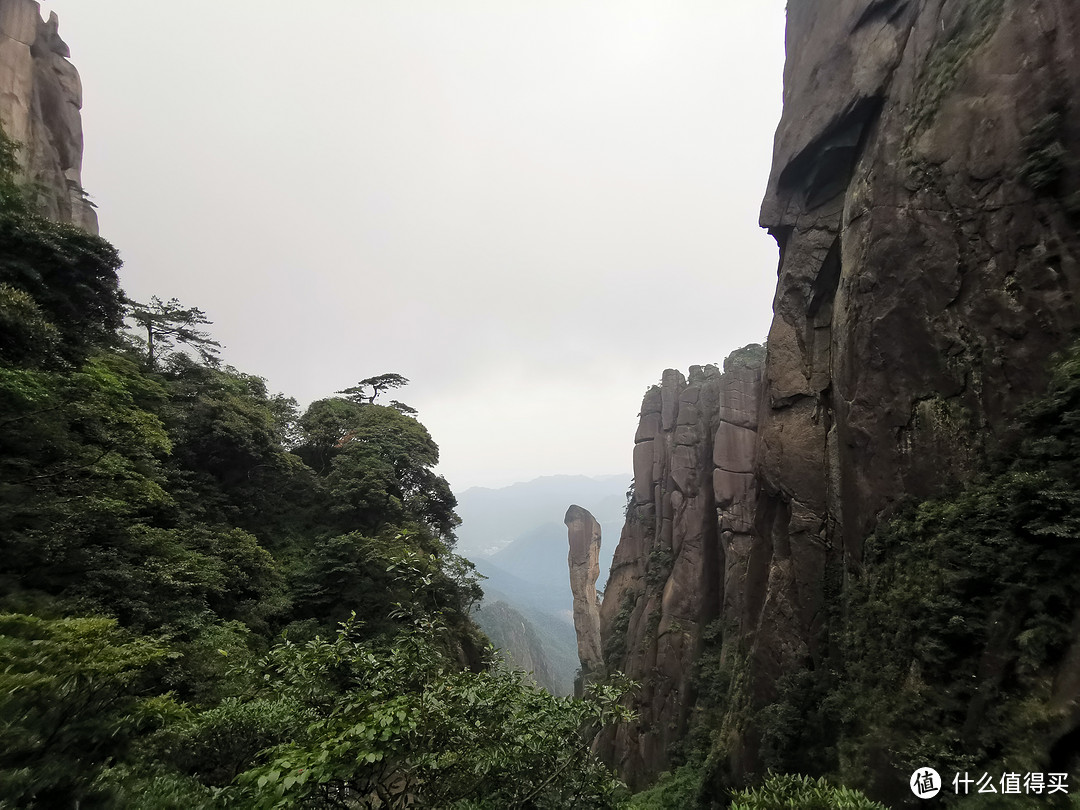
x=167, y=323
x=210, y=599
x=368, y=390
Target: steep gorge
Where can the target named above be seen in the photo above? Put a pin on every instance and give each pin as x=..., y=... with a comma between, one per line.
x=925, y=196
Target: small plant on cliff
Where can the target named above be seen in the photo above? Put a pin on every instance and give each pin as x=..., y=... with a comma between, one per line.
x=978, y=20
x=658, y=568
x=786, y=791
x=615, y=644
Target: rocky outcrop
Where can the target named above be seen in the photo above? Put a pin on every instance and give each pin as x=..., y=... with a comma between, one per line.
x=583, y=534
x=518, y=642
x=681, y=560
x=924, y=198
x=40, y=100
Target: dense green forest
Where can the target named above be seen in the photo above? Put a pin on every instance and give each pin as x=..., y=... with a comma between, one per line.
x=208, y=598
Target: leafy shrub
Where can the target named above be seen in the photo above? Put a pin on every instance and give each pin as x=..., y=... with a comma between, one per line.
x=786, y=792
x=364, y=724
x=68, y=686
x=672, y=791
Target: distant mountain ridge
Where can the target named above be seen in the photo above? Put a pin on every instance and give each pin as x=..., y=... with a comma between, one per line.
x=516, y=538
x=491, y=519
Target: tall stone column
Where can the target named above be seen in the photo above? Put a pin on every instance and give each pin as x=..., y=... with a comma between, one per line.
x=584, y=560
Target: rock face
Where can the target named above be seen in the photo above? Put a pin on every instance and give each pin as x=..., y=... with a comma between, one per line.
x=681, y=559
x=583, y=533
x=40, y=99
x=924, y=198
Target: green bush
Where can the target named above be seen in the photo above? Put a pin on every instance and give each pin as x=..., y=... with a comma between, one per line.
x=790, y=792
x=672, y=791
x=68, y=687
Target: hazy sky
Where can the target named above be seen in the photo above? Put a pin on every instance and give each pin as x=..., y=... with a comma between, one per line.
x=530, y=208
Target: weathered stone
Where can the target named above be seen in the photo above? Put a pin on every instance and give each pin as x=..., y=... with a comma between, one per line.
x=734, y=494
x=734, y=448
x=648, y=428
x=643, y=469
x=925, y=277
x=18, y=24
x=19, y=20
x=583, y=533
x=671, y=386
x=740, y=389
x=669, y=574
x=40, y=99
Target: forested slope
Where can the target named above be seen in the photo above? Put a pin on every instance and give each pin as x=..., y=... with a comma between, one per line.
x=208, y=598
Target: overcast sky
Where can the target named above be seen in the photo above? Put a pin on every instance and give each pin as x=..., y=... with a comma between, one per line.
x=530, y=208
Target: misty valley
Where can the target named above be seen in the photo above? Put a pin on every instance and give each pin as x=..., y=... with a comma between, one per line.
x=840, y=571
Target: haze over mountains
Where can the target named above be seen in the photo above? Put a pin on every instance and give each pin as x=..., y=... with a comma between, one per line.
x=516, y=537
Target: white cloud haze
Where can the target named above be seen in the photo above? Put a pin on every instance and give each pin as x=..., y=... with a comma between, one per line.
x=528, y=207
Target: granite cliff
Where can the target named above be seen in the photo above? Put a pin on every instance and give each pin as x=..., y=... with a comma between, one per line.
x=40, y=100
x=925, y=197
x=583, y=535
x=681, y=559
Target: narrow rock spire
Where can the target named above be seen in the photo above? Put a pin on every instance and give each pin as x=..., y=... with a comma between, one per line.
x=584, y=560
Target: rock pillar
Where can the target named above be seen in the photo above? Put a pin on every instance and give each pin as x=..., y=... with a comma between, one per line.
x=584, y=560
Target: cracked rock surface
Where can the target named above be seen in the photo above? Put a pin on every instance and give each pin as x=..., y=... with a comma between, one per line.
x=681, y=559
x=924, y=198
x=40, y=100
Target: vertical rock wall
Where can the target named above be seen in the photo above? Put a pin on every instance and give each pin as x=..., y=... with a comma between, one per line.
x=40, y=100
x=681, y=560
x=924, y=198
